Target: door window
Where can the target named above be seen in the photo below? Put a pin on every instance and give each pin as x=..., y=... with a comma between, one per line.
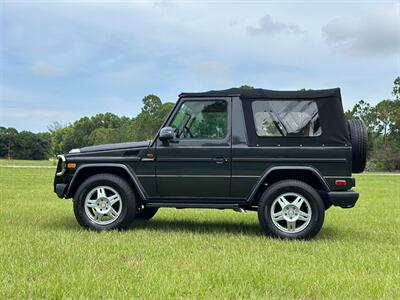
x=201, y=120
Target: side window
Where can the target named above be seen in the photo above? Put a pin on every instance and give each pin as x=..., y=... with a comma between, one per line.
x=201, y=120
x=286, y=118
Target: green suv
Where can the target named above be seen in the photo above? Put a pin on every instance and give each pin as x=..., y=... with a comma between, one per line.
x=289, y=155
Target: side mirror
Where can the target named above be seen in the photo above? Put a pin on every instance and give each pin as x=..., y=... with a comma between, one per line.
x=166, y=134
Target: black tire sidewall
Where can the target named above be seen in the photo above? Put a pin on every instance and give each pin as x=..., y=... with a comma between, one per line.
x=359, y=144
x=279, y=188
x=121, y=186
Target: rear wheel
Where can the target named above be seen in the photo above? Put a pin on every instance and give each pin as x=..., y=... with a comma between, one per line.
x=291, y=209
x=104, y=201
x=145, y=213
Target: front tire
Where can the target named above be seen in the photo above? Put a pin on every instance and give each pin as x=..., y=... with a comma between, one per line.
x=291, y=209
x=105, y=202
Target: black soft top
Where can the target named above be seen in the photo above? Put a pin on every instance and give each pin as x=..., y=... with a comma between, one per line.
x=329, y=103
x=269, y=94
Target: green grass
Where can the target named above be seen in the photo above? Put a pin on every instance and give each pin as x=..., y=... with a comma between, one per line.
x=194, y=253
x=14, y=162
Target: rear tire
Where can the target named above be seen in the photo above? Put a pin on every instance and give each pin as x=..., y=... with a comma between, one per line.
x=145, y=213
x=104, y=202
x=291, y=209
x=359, y=144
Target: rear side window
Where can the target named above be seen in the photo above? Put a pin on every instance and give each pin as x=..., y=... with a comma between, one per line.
x=286, y=118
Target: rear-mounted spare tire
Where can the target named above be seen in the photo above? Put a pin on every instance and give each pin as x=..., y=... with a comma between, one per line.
x=359, y=144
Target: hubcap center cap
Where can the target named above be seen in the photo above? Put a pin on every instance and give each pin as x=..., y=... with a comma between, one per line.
x=290, y=212
x=102, y=205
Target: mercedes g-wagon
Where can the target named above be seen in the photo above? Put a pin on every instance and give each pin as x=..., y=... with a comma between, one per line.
x=289, y=155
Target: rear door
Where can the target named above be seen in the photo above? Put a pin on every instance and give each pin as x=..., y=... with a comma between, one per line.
x=196, y=164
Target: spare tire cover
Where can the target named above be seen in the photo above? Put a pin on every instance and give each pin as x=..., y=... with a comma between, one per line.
x=359, y=143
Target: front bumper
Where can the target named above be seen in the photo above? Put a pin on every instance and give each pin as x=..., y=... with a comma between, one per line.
x=60, y=189
x=345, y=199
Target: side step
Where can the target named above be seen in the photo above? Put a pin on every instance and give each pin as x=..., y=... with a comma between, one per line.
x=193, y=205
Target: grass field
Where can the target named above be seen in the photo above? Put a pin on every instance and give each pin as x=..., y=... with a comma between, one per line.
x=41, y=163
x=194, y=253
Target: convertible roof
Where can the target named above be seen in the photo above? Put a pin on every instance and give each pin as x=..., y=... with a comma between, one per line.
x=262, y=93
x=329, y=103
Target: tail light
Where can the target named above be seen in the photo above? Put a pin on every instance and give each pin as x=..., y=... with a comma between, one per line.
x=341, y=182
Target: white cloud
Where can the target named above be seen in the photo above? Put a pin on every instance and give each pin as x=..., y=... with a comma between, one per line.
x=43, y=68
x=377, y=34
x=268, y=26
x=150, y=47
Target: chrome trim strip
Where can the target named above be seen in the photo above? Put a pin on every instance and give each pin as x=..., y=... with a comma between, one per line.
x=201, y=176
x=287, y=159
x=63, y=165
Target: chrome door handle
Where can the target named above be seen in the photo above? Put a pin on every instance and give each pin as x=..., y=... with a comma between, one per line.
x=220, y=160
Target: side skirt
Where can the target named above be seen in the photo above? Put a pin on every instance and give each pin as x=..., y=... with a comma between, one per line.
x=193, y=205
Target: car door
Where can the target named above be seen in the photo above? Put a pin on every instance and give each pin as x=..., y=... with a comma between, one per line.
x=196, y=163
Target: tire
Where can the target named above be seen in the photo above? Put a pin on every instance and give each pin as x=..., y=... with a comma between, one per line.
x=145, y=213
x=93, y=200
x=311, y=205
x=359, y=144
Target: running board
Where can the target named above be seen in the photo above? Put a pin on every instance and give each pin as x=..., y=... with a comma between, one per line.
x=193, y=205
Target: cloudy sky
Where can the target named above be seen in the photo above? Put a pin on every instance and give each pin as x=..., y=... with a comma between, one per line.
x=61, y=61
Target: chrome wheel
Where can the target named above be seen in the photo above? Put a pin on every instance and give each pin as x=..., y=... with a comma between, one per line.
x=291, y=212
x=103, y=205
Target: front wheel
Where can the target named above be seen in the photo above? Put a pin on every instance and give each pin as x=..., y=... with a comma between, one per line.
x=291, y=209
x=105, y=201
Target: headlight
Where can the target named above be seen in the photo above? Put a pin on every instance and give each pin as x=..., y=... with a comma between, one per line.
x=60, y=165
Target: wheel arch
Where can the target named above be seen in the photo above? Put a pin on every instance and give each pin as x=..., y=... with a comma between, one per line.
x=274, y=174
x=85, y=171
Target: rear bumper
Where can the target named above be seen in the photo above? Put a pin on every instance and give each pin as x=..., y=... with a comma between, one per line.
x=60, y=189
x=343, y=199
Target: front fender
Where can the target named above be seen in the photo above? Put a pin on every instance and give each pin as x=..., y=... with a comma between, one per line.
x=83, y=171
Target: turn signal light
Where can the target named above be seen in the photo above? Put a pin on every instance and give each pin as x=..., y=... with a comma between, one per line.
x=71, y=166
x=340, y=182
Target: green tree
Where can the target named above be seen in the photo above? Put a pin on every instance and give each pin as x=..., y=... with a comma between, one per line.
x=9, y=137
x=245, y=86
x=24, y=144
x=396, y=88
x=153, y=114
x=385, y=118
x=151, y=104
x=364, y=111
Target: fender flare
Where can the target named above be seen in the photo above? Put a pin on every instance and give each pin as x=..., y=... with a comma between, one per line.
x=128, y=170
x=262, y=178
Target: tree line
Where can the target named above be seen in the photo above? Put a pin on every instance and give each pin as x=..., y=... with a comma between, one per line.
x=382, y=121
x=99, y=129
x=383, y=124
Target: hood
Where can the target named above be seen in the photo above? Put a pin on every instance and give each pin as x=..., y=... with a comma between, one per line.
x=108, y=147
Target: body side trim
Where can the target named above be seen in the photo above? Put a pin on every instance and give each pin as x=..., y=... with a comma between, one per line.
x=291, y=159
x=193, y=205
x=104, y=159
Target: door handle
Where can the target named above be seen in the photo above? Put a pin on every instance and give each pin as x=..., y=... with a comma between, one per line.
x=220, y=160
